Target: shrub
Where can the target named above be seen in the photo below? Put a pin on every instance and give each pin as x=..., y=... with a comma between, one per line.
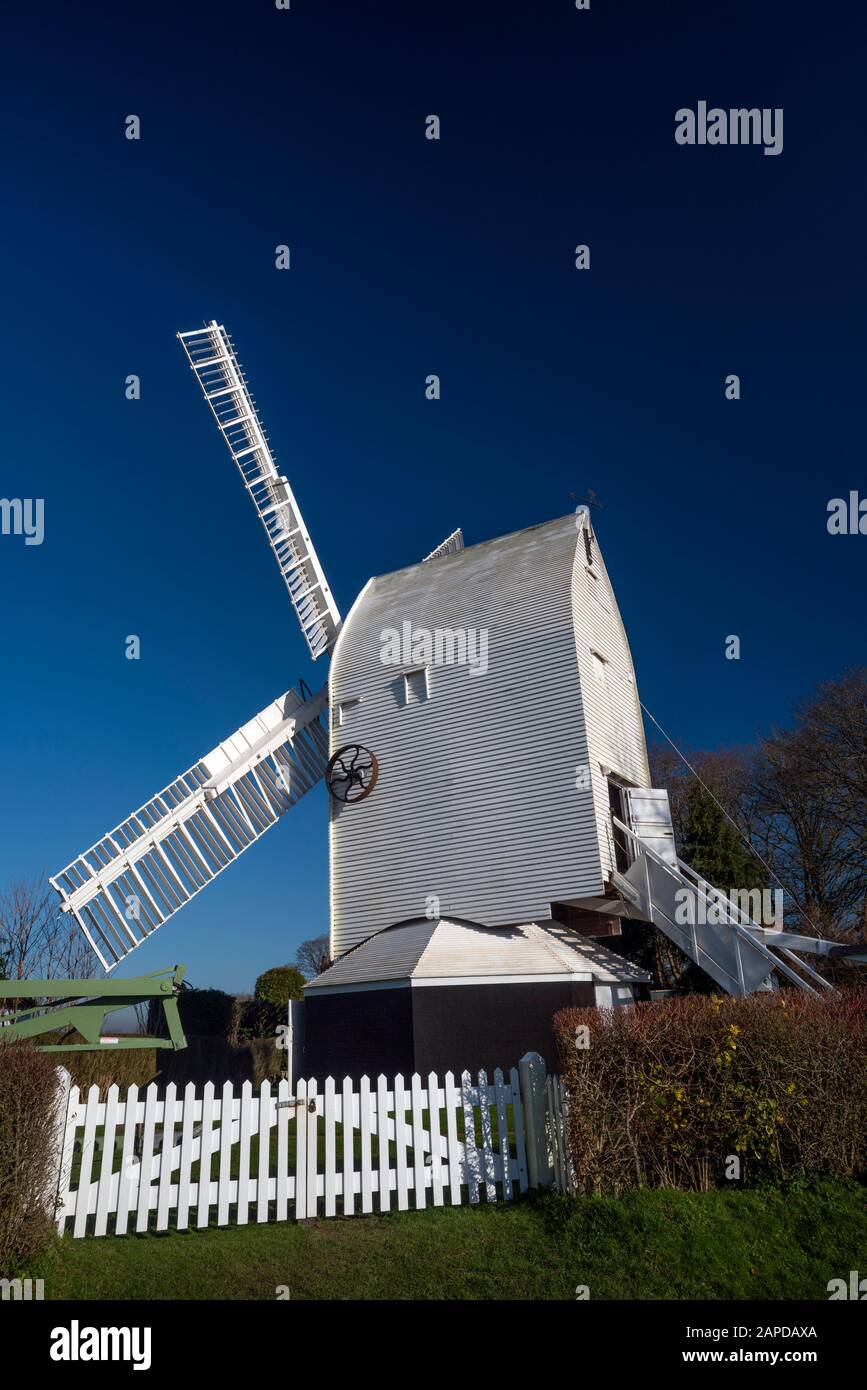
x=666, y=1094
x=217, y=1060
x=207, y=1013
x=279, y=985
x=257, y=1018
x=29, y=1118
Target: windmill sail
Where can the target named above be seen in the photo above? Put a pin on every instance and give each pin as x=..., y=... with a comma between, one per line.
x=137, y=876
x=212, y=358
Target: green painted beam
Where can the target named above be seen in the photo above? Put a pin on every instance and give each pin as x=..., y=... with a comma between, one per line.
x=93, y=1000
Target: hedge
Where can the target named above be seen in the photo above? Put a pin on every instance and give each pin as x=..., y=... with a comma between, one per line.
x=210, y=1013
x=29, y=1097
x=692, y=1092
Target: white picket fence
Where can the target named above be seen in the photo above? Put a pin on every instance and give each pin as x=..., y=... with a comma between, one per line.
x=185, y=1159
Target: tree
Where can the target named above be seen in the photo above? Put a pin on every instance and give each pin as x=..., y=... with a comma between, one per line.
x=715, y=848
x=726, y=772
x=810, y=807
x=279, y=985
x=800, y=797
x=37, y=940
x=314, y=956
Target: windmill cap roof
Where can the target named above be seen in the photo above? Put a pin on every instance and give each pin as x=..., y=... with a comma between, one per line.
x=453, y=948
x=503, y=546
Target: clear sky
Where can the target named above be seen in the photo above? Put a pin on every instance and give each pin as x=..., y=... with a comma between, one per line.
x=262, y=127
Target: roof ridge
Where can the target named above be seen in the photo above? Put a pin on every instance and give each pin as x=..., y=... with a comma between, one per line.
x=477, y=545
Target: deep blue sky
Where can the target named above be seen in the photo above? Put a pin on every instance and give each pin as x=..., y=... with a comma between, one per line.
x=262, y=127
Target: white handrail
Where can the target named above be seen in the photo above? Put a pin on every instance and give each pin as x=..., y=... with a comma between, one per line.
x=740, y=932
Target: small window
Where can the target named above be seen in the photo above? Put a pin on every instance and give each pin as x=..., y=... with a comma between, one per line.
x=346, y=707
x=599, y=664
x=588, y=545
x=416, y=688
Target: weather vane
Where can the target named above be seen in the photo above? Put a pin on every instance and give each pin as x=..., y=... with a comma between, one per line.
x=591, y=499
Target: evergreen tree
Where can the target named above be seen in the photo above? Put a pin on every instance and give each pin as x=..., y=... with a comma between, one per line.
x=714, y=848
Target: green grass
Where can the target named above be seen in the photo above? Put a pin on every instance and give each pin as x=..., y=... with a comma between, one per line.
x=763, y=1244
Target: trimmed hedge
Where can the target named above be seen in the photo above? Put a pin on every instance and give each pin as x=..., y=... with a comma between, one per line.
x=28, y=1129
x=669, y=1094
x=278, y=985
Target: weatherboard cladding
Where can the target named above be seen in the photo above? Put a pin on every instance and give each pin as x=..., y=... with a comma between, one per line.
x=615, y=731
x=476, y=801
x=448, y=950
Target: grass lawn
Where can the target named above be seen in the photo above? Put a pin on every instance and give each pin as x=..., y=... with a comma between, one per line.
x=765, y=1244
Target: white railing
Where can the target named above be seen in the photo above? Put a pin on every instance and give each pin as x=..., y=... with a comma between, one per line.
x=725, y=942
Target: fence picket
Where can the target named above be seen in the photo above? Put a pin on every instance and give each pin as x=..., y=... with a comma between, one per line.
x=330, y=1149
x=246, y=1117
x=348, y=1152
x=487, y=1138
x=130, y=1170
x=312, y=1152
x=188, y=1128
x=503, y=1134
x=224, y=1170
x=419, y=1173
x=104, y=1192
x=205, y=1145
x=65, y=1176
x=263, y=1182
x=284, y=1114
x=400, y=1144
x=145, y=1186
x=88, y=1139
x=382, y=1142
x=366, y=1154
x=166, y=1148
x=436, y=1158
x=471, y=1153
x=520, y=1142
x=452, y=1101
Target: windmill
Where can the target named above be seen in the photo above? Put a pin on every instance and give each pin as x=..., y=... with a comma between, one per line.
x=498, y=801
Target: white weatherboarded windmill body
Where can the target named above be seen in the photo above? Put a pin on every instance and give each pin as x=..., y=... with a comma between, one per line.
x=490, y=808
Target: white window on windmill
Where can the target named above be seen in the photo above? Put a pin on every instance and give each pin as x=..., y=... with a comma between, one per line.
x=347, y=707
x=416, y=686
x=599, y=664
